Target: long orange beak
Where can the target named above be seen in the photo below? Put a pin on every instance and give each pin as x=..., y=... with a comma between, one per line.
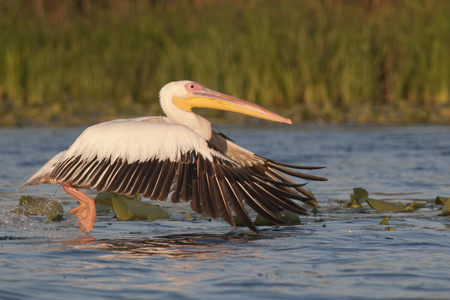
x=206, y=98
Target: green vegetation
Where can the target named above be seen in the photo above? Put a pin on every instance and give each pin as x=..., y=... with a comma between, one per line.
x=446, y=202
x=70, y=62
x=358, y=197
x=361, y=196
x=128, y=208
x=52, y=209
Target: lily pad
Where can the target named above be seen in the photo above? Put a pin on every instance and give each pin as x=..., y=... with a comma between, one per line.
x=441, y=200
x=127, y=209
x=238, y=222
x=446, y=206
x=288, y=216
x=52, y=209
x=103, y=201
x=415, y=206
x=358, y=197
x=444, y=213
x=446, y=209
x=352, y=204
x=380, y=205
x=314, y=211
x=261, y=221
x=385, y=221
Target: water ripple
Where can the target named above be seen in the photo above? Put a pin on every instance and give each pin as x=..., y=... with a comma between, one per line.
x=338, y=253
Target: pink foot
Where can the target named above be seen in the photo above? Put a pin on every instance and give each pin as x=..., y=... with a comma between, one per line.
x=86, y=211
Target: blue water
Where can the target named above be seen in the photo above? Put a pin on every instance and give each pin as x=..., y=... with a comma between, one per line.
x=339, y=253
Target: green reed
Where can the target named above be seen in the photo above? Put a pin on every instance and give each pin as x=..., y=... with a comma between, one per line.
x=70, y=62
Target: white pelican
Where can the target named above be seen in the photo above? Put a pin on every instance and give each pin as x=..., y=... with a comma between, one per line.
x=182, y=154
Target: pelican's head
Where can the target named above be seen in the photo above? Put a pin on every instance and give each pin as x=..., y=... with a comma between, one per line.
x=188, y=94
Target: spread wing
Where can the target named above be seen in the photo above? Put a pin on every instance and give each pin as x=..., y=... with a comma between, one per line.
x=156, y=159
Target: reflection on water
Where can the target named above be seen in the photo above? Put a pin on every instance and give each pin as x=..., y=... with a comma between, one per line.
x=338, y=253
x=198, y=246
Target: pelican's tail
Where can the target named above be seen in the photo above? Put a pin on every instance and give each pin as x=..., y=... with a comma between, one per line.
x=43, y=174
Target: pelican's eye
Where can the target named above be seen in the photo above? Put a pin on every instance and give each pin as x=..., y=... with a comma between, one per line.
x=193, y=87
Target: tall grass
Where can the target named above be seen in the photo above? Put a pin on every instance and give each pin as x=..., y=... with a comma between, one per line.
x=70, y=62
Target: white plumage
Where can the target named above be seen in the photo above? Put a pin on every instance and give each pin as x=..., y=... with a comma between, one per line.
x=136, y=140
x=179, y=155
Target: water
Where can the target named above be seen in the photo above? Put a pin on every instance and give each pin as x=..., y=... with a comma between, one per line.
x=338, y=253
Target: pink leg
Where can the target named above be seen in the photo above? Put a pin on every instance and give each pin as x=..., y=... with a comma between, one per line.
x=86, y=211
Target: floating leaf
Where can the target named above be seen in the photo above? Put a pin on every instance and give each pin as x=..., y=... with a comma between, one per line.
x=261, y=221
x=352, y=205
x=238, y=222
x=446, y=206
x=103, y=201
x=288, y=216
x=360, y=195
x=414, y=206
x=441, y=200
x=444, y=213
x=25, y=200
x=312, y=202
x=127, y=209
x=52, y=209
x=385, y=221
x=446, y=209
x=380, y=205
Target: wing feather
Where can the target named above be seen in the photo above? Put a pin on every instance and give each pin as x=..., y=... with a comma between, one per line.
x=147, y=171
x=260, y=207
x=223, y=210
x=168, y=182
x=153, y=158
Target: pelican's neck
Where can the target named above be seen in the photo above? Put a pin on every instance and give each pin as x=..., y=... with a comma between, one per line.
x=199, y=124
x=187, y=118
